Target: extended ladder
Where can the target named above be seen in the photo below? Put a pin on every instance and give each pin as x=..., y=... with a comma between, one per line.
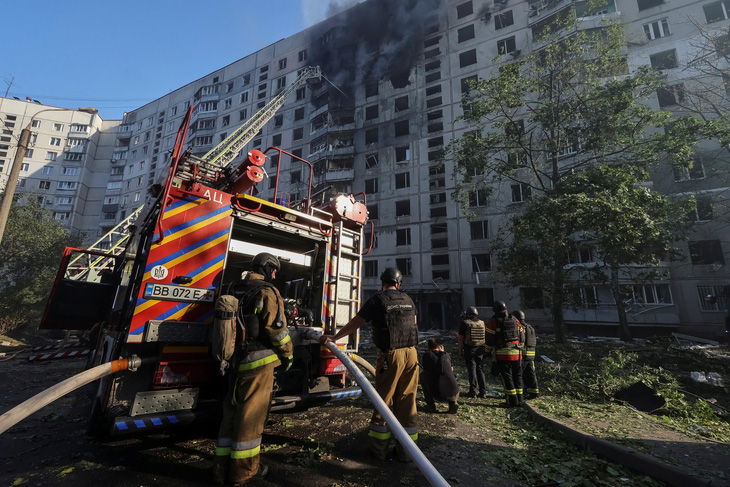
x=345, y=284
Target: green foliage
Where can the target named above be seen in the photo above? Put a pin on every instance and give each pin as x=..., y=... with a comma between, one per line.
x=31, y=248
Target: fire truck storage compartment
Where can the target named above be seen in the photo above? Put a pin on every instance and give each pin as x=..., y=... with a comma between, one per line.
x=78, y=305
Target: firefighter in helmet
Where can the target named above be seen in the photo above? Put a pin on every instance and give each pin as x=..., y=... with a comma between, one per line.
x=529, y=375
x=471, y=346
x=504, y=334
x=392, y=315
x=266, y=346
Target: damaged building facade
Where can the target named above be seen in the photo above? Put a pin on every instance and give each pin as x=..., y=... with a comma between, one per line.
x=377, y=123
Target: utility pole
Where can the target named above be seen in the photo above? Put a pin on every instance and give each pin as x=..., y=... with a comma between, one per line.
x=13, y=179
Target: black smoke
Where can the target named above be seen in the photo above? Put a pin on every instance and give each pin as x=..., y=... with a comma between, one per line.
x=373, y=40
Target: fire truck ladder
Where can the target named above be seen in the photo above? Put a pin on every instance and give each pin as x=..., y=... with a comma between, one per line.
x=228, y=149
x=346, y=282
x=81, y=266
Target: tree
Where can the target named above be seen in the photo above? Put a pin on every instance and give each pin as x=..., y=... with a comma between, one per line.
x=31, y=252
x=568, y=105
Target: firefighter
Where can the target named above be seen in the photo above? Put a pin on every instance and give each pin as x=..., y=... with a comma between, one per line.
x=392, y=315
x=504, y=336
x=471, y=346
x=529, y=375
x=437, y=378
x=266, y=346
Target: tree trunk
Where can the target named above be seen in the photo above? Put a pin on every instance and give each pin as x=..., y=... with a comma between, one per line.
x=556, y=307
x=623, y=321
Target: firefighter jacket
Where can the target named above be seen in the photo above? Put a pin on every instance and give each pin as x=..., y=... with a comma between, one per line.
x=393, y=317
x=267, y=336
x=507, y=349
x=473, y=332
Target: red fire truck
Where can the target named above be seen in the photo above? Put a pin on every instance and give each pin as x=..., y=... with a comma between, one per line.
x=153, y=294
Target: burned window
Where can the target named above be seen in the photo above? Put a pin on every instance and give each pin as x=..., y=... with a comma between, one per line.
x=402, y=154
x=435, y=142
x=503, y=19
x=436, y=169
x=531, y=298
x=703, y=252
x=301, y=93
x=401, y=103
x=298, y=134
x=433, y=90
x=371, y=186
x=465, y=33
x=373, y=212
x=434, y=102
x=371, y=89
x=402, y=180
x=435, y=127
x=371, y=136
x=403, y=208
x=664, y=59
x=437, y=198
x=481, y=263
x=440, y=259
x=444, y=275
x=431, y=42
x=670, y=95
x=645, y=4
x=436, y=212
x=439, y=243
x=506, y=46
x=716, y=11
x=433, y=65
x=371, y=112
x=464, y=9
x=404, y=266
x=468, y=58
x=401, y=128
x=299, y=114
x=430, y=78
x=403, y=236
x=434, y=115
x=437, y=228
x=370, y=268
x=371, y=160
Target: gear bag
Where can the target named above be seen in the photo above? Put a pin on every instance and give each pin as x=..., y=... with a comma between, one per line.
x=530, y=337
x=225, y=331
x=510, y=329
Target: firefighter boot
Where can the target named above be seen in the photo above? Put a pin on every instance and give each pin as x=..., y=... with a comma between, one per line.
x=430, y=408
x=453, y=407
x=259, y=475
x=520, y=400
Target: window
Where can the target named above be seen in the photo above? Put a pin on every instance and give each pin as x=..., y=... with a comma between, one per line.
x=302, y=55
x=25, y=167
x=276, y=140
x=36, y=124
x=531, y=298
x=402, y=180
x=296, y=177
x=226, y=120
x=520, y=192
x=371, y=112
x=403, y=236
x=370, y=268
x=401, y=128
x=242, y=114
x=441, y=275
x=439, y=243
x=644, y=4
x=703, y=252
x=503, y=19
x=67, y=184
x=301, y=93
x=440, y=259
x=58, y=127
x=657, y=29
x=55, y=141
x=713, y=298
x=664, y=59
x=298, y=134
x=298, y=114
x=652, y=293
x=479, y=230
x=243, y=97
x=282, y=63
x=64, y=200
x=465, y=33
x=371, y=89
x=371, y=160
x=506, y=46
x=484, y=297
x=481, y=263
x=227, y=103
x=173, y=111
x=479, y=198
x=703, y=209
x=372, y=212
x=437, y=198
x=404, y=266
x=246, y=79
x=76, y=127
x=464, y=9
x=272, y=182
x=51, y=156
x=61, y=215
x=402, y=154
x=670, y=95
x=716, y=11
x=403, y=208
x=371, y=186
x=278, y=120
x=48, y=170
x=697, y=171
x=467, y=58
x=280, y=82
x=29, y=153
x=46, y=185
x=371, y=136
x=205, y=140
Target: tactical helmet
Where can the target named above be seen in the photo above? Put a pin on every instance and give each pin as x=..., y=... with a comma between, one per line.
x=471, y=310
x=263, y=259
x=499, y=307
x=391, y=274
x=518, y=314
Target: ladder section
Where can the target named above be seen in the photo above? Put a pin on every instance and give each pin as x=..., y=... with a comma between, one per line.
x=88, y=266
x=346, y=282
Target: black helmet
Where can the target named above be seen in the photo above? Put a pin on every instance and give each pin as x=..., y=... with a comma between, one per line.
x=266, y=264
x=471, y=310
x=499, y=307
x=391, y=274
x=518, y=314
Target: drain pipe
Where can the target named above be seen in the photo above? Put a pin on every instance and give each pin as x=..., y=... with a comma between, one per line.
x=423, y=464
x=25, y=409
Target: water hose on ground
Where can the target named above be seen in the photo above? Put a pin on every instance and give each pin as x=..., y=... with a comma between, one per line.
x=423, y=464
x=25, y=409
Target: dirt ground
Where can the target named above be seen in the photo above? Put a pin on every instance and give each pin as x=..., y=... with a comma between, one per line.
x=324, y=446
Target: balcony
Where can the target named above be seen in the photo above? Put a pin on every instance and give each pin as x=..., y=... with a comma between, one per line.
x=334, y=175
x=78, y=135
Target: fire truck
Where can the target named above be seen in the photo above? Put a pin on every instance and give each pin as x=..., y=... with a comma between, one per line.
x=152, y=294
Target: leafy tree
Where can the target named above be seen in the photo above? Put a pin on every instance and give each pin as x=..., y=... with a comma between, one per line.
x=31, y=250
x=568, y=105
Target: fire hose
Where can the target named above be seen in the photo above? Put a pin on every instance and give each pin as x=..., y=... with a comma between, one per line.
x=25, y=409
x=423, y=464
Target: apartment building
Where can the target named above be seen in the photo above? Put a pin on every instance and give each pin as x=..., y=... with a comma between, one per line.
x=376, y=124
x=66, y=166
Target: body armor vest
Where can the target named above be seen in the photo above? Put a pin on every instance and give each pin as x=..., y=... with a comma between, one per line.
x=509, y=329
x=475, y=330
x=397, y=327
x=530, y=337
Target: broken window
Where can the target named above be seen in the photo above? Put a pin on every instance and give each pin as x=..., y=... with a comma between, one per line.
x=465, y=33
x=371, y=89
x=433, y=65
x=371, y=160
x=503, y=19
x=479, y=230
x=704, y=252
x=435, y=142
x=644, y=4
x=468, y=58
x=506, y=46
x=664, y=59
x=697, y=171
x=401, y=128
x=402, y=154
x=703, y=209
x=403, y=208
x=443, y=275
x=481, y=262
x=437, y=198
x=439, y=243
x=371, y=136
x=434, y=102
x=433, y=90
x=371, y=112
x=437, y=212
x=430, y=78
x=670, y=95
x=404, y=266
x=437, y=228
x=403, y=236
x=431, y=42
x=714, y=12
x=402, y=180
x=440, y=259
x=401, y=103
x=371, y=186
x=298, y=134
x=372, y=212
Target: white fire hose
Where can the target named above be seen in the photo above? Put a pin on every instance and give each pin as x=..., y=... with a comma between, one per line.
x=423, y=464
x=25, y=409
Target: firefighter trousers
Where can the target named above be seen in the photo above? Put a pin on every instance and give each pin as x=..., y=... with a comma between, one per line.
x=529, y=378
x=511, y=373
x=474, y=357
x=245, y=409
x=396, y=380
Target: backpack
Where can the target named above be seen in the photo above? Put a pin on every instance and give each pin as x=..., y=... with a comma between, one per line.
x=226, y=331
x=510, y=329
x=530, y=337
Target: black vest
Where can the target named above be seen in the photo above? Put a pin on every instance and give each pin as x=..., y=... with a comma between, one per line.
x=394, y=324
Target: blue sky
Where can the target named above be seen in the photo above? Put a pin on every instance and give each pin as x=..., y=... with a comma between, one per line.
x=119, y=55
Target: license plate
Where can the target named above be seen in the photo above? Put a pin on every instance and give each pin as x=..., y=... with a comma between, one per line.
x=165, y=292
